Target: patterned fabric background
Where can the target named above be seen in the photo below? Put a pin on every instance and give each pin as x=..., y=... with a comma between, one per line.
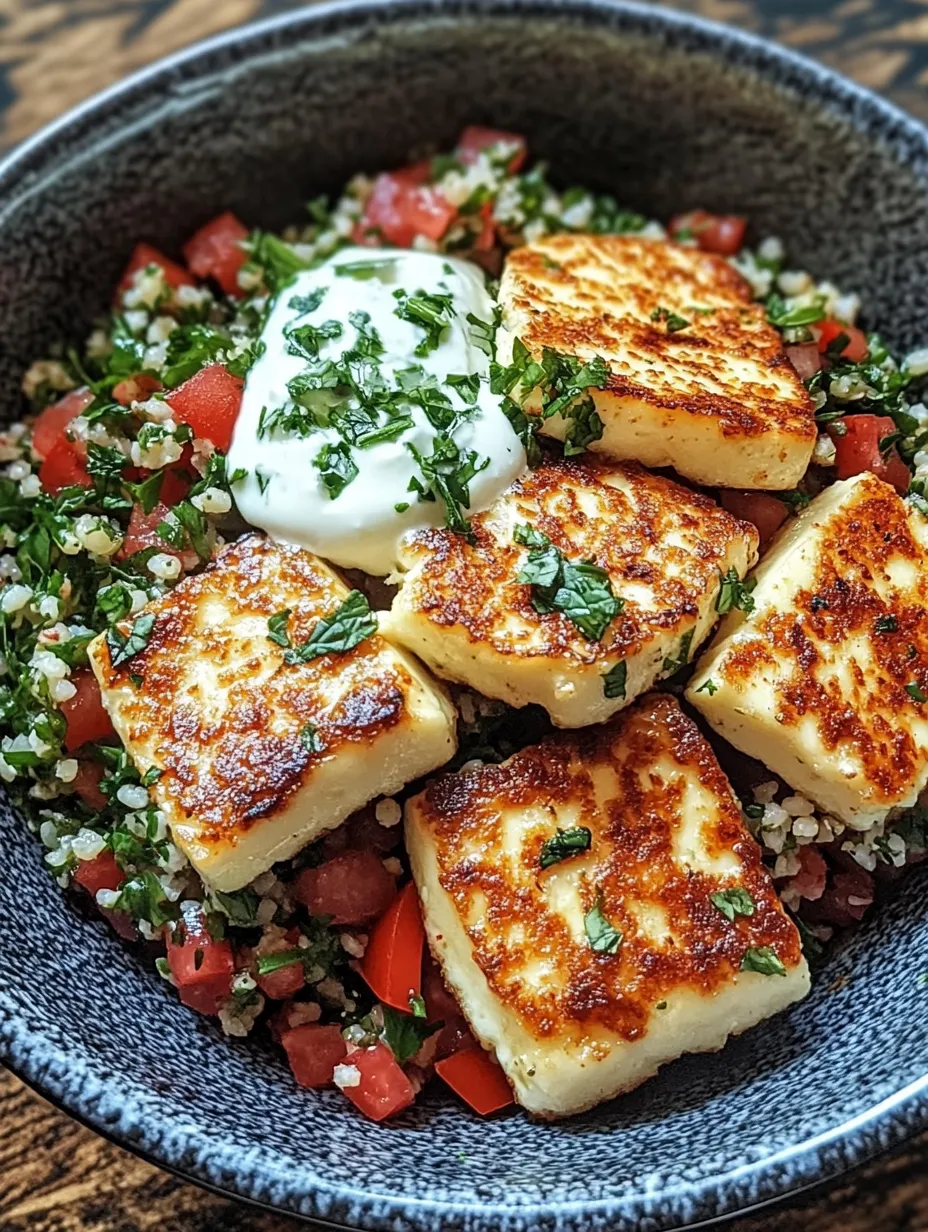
x=55, y=52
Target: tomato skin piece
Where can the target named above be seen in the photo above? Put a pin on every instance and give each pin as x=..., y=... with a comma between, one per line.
x=765, y=511
x=86, y=783
x=805, y=358
x=384, y=1088
x=719, y=233
x=402, y=206
x=209, y=402
x=283, y=983
x=203, y=987
x=85, y=715
x=479, y=1081
x=352, y=888
x=857, y=449
x=146, y=254
x=475, y=138
x=100, y=873
x=49, y=427
x=856, y=349
x=135, y=388
x=215, y=251
x=392, y=962
x=313, y=1051
x=64, y=468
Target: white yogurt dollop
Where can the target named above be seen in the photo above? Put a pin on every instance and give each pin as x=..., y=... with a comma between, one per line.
x=278, y=441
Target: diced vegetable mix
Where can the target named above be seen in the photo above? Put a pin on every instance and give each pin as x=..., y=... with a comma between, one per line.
x=118, y=488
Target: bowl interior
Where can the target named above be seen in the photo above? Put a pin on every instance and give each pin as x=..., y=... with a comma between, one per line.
x=665, y=113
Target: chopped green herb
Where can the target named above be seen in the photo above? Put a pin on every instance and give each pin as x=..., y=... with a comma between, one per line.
x=363, y=271
x=432, y=311
x=277, y=628
x=885, y=624
x=406, y=1033
x=123, y=647
x=151, y=775
x=614, y=681
x=673, y=320
x=603, y=938
x=305, y=304
x=310, y=738
x=733, y=901
x=563, y=845
x=417, y=1005
x=581, y=592
x=708, y=686
x=735, y=593
x=347, y=627
x=762, y=959
x=673, y=664
x=269, y=963
x=915, y=692
x=336, y=467
x=782, y=317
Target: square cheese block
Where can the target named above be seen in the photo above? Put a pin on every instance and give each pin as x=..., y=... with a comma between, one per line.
x=258, y=755
x=697, y=378
x=658, y=932
x=664, y=550
x=826, y=680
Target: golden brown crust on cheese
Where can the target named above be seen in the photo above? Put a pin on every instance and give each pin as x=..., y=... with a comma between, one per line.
x=851, y=603
x=594, y=295
x=653, y=750
x=634, y=535
x=231, y=746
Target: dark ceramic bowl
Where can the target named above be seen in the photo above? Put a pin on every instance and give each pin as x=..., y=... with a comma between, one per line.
x=666, y=112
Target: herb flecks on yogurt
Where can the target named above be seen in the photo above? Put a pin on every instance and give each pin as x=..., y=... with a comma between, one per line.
x=369, y=414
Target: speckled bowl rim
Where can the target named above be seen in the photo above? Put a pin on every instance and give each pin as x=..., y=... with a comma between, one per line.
x=40, y=1065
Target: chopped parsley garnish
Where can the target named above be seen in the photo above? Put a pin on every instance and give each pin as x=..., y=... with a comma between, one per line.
x=305, y=304
x=405, y=1034
x=336, y=467
x=445, y=475
x=674, y=663
x=432, y=311
x=466, y=384
x=376, y=267
x=614, y=681
x=347, y=627
x=915, y=692
x=708, y=686
x=278, y=260
x=764, y=960
x=304, y=341
x=733, y=901
x=783, y=317
x=268, y=963
x=563, y=845
x=581, y=592
x=886, y=624
x=122, y=646
x=735, y=593
x=417, y=1005
x=310, y=738
x=602, y=936
x=277, y=628
x=673, y=320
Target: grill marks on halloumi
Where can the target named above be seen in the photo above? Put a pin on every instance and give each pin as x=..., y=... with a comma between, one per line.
x=572, y=1027
x=463, y=610
x=719, y=400
x=814, y=682
x=259, y=756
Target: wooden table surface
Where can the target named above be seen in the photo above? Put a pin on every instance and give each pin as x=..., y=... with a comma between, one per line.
x=56, y=1176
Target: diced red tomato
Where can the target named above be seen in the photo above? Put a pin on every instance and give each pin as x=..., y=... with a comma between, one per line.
x=49, y=427
x=313, y=1052
x=392, y=963
x=135, y=388
x=202, y=966
x=87, y=783
x=766, y=512
x=352, y=888
x=209, y=402
x=721, y=233
x=402, y=206
x=475, y=139
x=805, y=358
x=84, y=713
x=479, y=1081
x=284, y=982
x=857, y=449
x=64, y=467
x=856, y=349
x=809, y=882
x=100, y=873
x=215, y=251
x=146, y=254
x=384, y=1088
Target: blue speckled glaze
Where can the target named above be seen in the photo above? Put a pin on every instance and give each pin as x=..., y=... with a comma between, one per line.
x=667, y=112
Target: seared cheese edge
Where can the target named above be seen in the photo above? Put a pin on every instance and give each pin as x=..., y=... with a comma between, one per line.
x=226, y=721
x=813, y=682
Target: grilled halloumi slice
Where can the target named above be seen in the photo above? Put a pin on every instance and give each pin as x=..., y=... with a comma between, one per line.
x=258, y=755
x=665, y=549
x=826, y=680
x=717, y=399
x=665, y=936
